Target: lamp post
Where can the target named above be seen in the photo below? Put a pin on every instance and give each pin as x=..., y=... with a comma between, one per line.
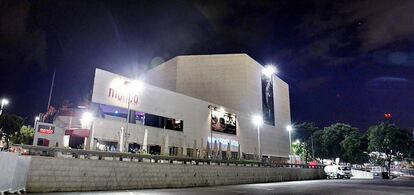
x=289, y=129
x=126, y=83
x=258, y=120
x=37, y=118
x=4, y=102
x=129, y=87
x=211, y=129
x=87, y=119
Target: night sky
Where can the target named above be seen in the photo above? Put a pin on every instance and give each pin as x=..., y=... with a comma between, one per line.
x=345, y=61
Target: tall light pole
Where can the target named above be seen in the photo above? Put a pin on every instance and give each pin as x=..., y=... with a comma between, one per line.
x=37, y=118
x=211, y=130
x=258, y=121
x=87, y=120
x=289, y=129
x=130, y=87
x=126, y=83
x=4, y=102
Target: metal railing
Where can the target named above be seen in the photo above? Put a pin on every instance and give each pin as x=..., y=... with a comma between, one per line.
x=101, y=155
x=408, y=172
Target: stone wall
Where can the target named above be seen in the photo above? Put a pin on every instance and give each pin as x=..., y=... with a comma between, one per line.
x=65, y=174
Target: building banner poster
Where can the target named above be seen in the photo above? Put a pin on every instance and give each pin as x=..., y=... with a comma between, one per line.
x=223, y=122
x=268, y=101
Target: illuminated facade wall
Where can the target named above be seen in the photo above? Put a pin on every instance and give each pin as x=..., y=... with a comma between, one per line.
x=195, y=113
x=188, y=88
x=233, y=81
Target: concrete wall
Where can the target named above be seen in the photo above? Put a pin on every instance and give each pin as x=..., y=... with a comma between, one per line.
x=165, y=75
x=61, y=174
x=13, y=172
x=357, y=174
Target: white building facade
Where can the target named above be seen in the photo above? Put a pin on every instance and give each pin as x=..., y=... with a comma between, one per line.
x=180, y=105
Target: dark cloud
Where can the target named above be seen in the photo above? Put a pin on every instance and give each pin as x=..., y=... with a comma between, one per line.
x=385, y=22
x=315, y=84
x=390, y=83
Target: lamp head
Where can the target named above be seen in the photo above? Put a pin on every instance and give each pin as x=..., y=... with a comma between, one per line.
x=269, y=70
x=4, y=101
x=257, y=120
x=87, y=117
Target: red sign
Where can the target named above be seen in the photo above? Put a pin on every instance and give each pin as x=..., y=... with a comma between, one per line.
x=46, y=131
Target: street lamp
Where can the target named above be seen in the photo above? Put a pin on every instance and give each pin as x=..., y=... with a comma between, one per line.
x=258, y=121
x=37, y=118
x=87, y=119
x=289, y=129
x=129, y=87
x=268, y=70
x=4, y=102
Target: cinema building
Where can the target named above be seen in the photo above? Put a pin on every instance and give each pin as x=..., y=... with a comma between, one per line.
x=198, y=106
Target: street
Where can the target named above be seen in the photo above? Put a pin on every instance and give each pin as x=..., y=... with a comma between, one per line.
x=396, y=186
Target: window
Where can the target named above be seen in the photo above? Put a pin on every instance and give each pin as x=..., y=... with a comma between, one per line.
x=154, y=120
x=143, y=118
x=42, y=142
x=173, y=124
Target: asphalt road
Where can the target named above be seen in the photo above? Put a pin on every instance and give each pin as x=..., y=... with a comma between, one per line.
x=396, y=186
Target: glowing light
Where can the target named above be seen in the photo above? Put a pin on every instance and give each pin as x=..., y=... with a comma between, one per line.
x=116, y=111
x=257, y=120
x=221, y=110
x=136, y=86
x=289, y=128
x=269, y=70
x=37, y=118
x=4, y=101
x=127, y=87
x=87, y=117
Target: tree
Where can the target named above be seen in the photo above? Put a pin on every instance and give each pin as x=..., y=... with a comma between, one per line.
x=24, y=136
x=303, y=132
x=10, y=125
x=389, y=139
x=352, y=149
x=333, y=136
x=318, y=145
